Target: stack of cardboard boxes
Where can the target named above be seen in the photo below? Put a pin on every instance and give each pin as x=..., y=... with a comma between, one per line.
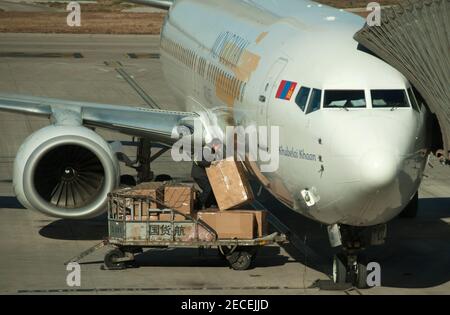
x=162, y=196
x=232, y=191
x=143, y=209
x=180, y=198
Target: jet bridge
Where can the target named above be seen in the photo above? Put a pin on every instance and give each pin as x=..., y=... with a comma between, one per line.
x=414, y=38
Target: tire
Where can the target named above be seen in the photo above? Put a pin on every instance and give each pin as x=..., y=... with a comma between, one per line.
x=163, y=178
x=339, y=269
x=110, y=256
x=361, y=273
x=410, y=212
x=240, y=260
x=127, y=180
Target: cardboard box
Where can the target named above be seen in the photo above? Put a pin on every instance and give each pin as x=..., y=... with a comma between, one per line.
x=190, y=233
x=152, y=218
x=230, y=224
x=230, y=184
x=262, y=225
x=168, y=217
x=153, y=190
x=180, y=198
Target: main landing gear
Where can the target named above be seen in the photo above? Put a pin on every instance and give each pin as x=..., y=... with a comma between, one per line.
x=350, y=268
x=142, y=164
x=350, y=265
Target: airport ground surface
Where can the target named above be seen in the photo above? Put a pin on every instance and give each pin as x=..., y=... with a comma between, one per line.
x=415, y=260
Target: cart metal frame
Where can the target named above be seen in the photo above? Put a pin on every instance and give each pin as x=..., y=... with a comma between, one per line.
x=131, y=230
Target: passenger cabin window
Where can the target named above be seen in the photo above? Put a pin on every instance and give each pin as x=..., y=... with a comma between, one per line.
x=345, y=99
x=413, y=100
x=389, y=99
x=302, y=97
x=314, y=101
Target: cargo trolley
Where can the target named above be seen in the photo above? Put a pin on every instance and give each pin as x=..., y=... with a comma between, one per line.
x=131, y=229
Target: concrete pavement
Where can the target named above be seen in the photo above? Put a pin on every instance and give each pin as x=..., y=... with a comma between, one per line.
x=16, y=6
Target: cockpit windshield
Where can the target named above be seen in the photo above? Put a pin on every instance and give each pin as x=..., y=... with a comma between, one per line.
x=389, y=99
x=344, y=99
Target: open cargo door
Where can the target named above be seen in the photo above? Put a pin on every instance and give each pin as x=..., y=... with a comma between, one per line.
x=414, y=38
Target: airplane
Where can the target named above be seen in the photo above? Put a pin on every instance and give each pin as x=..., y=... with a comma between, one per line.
x=353, y=140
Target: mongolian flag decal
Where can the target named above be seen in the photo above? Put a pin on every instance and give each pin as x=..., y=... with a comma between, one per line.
x=286, y=89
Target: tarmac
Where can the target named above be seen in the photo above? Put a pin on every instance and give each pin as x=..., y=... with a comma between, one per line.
x=415, y=259
x=40, y=6
x=21, y=6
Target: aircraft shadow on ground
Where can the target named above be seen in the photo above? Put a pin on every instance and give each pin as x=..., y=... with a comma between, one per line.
x=10, y=202
x=416, y=253
x=76, y=230
x=191, y=257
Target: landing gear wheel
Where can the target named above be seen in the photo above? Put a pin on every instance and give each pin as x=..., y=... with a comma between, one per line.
x=339, y=269
x=410, y=212
x=240, y=260
x=361, y=273
x=111, y=256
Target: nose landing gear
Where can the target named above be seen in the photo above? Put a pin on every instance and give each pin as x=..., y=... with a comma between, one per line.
x=350, y=265
x=350, y=268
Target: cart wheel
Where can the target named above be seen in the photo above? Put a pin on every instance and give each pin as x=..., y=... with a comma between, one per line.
x=240, y=260
x=224, y=251
x=109, y=259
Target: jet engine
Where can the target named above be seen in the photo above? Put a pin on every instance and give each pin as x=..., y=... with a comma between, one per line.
x=65, y=172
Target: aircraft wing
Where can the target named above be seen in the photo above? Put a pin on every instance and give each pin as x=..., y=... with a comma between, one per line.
x=151, y=123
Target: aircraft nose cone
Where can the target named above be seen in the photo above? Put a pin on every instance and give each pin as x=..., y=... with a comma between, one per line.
x=379, y=168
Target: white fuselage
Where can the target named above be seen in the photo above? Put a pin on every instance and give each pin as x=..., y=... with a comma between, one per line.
x=228, y=59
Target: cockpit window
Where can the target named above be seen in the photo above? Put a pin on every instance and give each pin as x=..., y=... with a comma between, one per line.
x=345, y=99
x=302, y=97
x=412, y=99
x=420, y=100
x=314, y=101
x=389, y=99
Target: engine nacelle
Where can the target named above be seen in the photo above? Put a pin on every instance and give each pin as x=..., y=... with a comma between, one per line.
x=65, y=172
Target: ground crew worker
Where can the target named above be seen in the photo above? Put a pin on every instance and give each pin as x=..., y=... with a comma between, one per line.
x=198, y=173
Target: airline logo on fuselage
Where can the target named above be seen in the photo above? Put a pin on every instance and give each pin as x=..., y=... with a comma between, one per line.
x=286, y=89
